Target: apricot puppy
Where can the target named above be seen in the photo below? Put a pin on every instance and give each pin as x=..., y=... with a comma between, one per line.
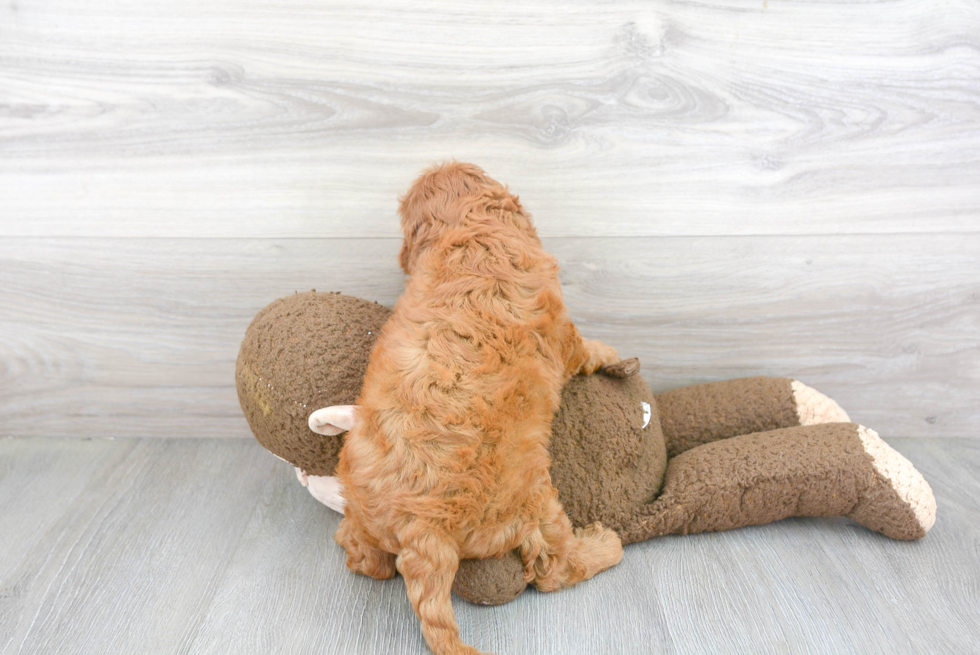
x=449, y=457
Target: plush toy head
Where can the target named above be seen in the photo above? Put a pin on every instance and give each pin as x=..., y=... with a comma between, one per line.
x=301, y=353
x=607, y=449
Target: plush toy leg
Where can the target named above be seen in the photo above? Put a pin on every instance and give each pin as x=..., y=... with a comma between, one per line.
x=835, y=469
x=700, y=414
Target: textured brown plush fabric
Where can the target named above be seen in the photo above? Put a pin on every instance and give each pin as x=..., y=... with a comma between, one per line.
x=817, y=470
x=490, y=581
x=301, y=353
x=604, y=463
x=696, y=415
x=881, y=509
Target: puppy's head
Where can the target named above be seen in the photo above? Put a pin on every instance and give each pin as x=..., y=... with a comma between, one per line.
x=445, y=196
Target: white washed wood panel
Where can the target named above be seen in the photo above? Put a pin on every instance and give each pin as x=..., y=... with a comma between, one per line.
x=225, y=118
x=199, y=546
x=123, y=337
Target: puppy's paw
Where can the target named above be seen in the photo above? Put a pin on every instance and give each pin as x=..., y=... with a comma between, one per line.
x=603, y=544
x=378, y=564
x=597, y=355
x=598, y=533
x=362, y=557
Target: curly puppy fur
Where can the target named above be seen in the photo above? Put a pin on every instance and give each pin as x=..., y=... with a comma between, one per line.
x=449, y=459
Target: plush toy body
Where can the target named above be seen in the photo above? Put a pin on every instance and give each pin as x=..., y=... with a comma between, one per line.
x=702, y=458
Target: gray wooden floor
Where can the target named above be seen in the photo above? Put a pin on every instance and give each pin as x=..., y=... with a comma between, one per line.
x=210, y=546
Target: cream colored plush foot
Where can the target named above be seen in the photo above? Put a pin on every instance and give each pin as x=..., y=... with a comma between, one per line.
x=908, y=484
x=325, y=488
x=812, y=407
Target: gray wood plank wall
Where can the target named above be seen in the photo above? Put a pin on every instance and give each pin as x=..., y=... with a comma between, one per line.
x=733, y=188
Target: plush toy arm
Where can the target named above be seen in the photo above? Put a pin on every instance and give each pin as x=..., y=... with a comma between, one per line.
x=838, y=469
x=699, y=414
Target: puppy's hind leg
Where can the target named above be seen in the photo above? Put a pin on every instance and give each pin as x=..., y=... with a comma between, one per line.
x=429, y=564
x=363, y=554
x=556, y=556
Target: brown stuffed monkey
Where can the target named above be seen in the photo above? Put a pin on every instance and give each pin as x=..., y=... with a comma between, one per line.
x=701, y=458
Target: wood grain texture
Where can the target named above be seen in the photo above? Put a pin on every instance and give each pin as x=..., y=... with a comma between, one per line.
x=211, y=546
x=135, y=552
x=780, y=188
x=139, y=336
x=307, y=119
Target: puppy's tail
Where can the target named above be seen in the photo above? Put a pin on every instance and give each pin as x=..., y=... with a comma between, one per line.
x=428, y=563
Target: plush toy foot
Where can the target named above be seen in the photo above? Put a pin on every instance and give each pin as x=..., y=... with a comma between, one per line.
x=331, y=421
x=492, y=581
x=325, y=488
x=900, y=504
x=625, y=368
x=813, y=408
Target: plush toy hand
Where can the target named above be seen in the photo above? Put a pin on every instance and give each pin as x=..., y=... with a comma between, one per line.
x=325, y=488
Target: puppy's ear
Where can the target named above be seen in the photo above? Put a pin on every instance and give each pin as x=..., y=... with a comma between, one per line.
x=413, y=211
x=405, y=256
x=331, y=421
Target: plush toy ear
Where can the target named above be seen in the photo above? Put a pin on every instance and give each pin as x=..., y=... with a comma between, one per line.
x=622, y=369
x=331, y=421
